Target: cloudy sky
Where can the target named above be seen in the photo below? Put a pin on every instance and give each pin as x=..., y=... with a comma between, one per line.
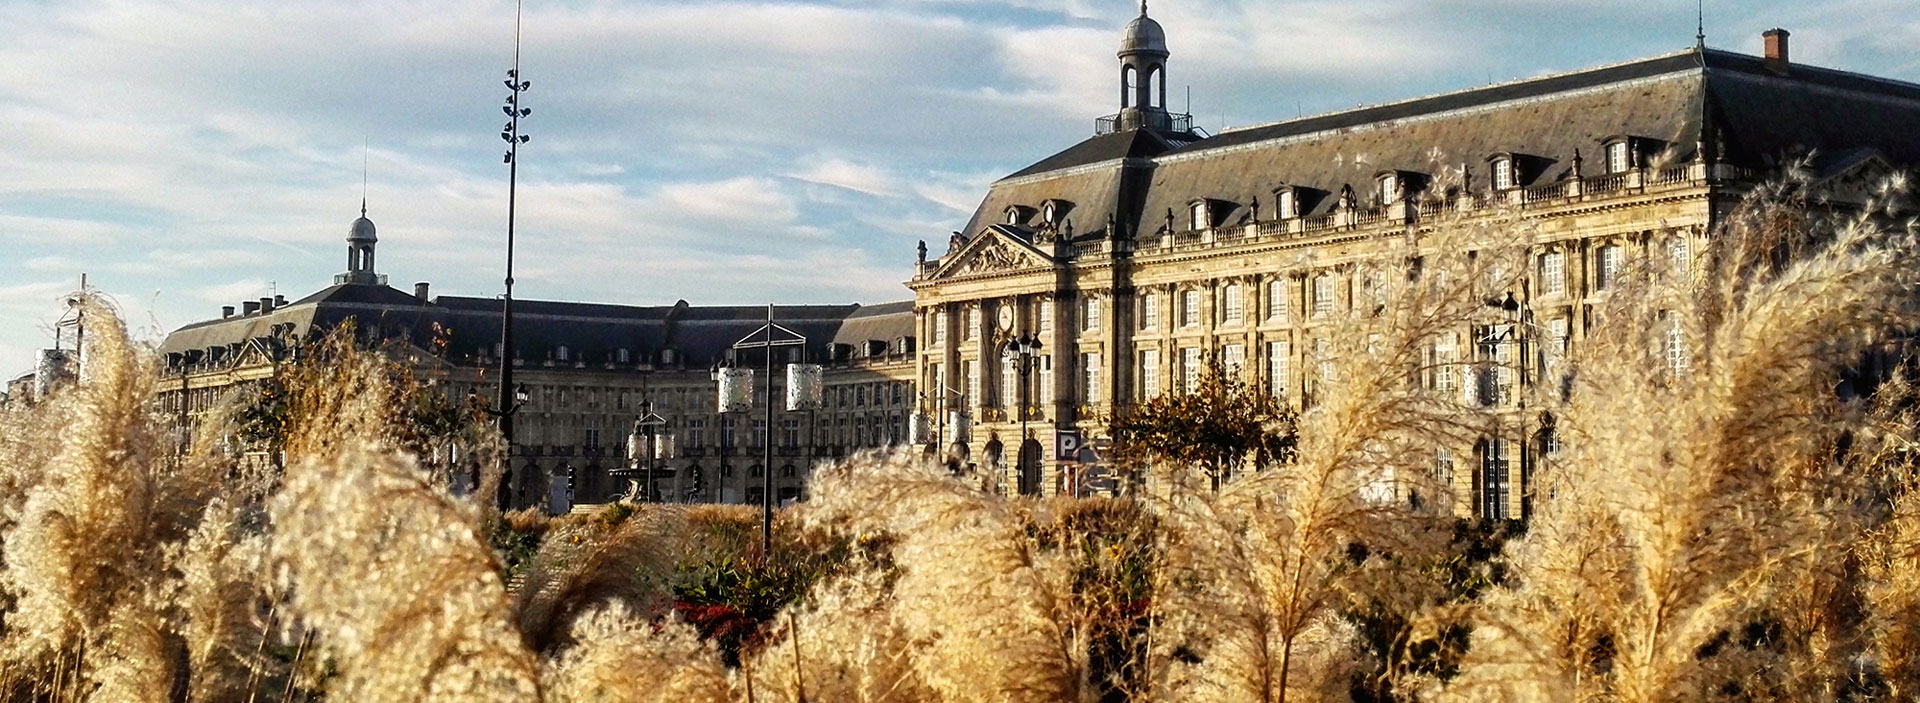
x=191, y=153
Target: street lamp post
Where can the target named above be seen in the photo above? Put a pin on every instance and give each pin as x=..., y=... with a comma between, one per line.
x=940, y=415
x=1023, y=354
x=510, y=403
x=1519, y=330
x=768, y=342
x=511, y=396
x=647, y=426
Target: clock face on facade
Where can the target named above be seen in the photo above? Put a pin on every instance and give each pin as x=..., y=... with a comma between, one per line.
x=1006, y=318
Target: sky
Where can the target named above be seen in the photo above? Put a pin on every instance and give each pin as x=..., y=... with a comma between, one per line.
x=192, y=154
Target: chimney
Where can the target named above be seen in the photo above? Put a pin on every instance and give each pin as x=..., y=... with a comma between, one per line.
x=250, y=307
x=1776, y=47
x=279, y=301
x=226, y=311
x=420, y=291
x=266, y=305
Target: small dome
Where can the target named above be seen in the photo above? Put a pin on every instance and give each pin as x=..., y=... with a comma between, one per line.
x=1144, y=36
x=362, y=230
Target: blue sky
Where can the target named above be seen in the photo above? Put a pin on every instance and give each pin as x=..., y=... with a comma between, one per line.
x=187, y=155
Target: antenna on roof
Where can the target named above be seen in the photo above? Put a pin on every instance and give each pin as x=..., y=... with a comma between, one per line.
x=365, y=145
x=1189, y=109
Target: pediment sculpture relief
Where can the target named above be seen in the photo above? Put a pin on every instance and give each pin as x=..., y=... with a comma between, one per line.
x=995, y=256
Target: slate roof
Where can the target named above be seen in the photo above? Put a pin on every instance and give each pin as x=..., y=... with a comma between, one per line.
x=884, y=322
x=1758, y=115
x=593, y=332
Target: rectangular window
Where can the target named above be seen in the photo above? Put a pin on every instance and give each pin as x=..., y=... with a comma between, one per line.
x=697, y=433
x=1150, y=311
x=1090, y=315
x=1197, y=216
x=1278, y=354
x=1389, y=190
x=1617, y=157
x=1288, y=206
x=940, y=329
x=1443, y=467
x=1610, y=259
x=1010, y=390
x=1046, y=316
x=1680, y=256
x=1189, y=369
x=973, y=323
x=1189, y=307
x=759, y=433
x=1442, y=362
x=591, y=437
x=726, y=432
x=1502, y=174
x=1322, y=295
x=789, y=433
x=1323, y=361
x=1149, y=373
x=1046, y=381
x=1494, y=485
x=1234, y=358
x=1090, y=377
x=1553, y=272
x=1678, y=360
x=1233, y=304
x=1277, y=302
x=972, y=369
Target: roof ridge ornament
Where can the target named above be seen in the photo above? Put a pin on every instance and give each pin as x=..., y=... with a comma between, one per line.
x=1143, y=8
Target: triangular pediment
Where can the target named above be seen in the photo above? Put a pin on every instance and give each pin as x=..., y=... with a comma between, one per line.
x=994, y=250
x=1855, y=177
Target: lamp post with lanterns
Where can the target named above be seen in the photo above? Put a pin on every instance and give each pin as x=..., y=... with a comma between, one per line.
x=1022, y=354
x=767, y=342
x=511, y=396
x=645, y=444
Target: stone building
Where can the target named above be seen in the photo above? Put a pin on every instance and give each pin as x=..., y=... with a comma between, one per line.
x=1149, y=246
x=590, y=371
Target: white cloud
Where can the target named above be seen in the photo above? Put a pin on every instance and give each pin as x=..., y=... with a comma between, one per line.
x=861, y=178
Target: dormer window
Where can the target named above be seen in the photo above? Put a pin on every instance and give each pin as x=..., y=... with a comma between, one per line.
x=560, y=353
x=1197, y=215
x=1619, y=155
x=1287, y=203
x=1013, y=215
x=624, y=356
x=1503, y=173
x=1389, y=188
x=1047, y=213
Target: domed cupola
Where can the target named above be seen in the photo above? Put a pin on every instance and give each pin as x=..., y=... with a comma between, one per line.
x=1143, y=77
x=360, y=243
x=1144, y=36
x=362, y=230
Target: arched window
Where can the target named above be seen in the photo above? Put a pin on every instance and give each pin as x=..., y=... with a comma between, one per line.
x=1129, y=83
x=1156, y=87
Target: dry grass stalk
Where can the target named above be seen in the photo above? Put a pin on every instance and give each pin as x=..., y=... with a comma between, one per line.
x=382, y=562
x=623, y=658
x=972, y=592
